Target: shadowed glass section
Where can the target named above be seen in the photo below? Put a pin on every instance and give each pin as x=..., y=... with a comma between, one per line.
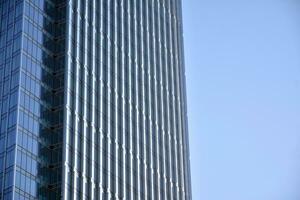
x=32, y=39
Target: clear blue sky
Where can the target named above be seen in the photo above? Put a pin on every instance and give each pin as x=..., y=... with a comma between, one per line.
x=243, y=79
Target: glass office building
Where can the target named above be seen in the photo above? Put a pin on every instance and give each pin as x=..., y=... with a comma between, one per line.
x=92, y=100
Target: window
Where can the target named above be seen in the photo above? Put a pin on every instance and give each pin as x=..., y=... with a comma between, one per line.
x=15, y=62
x=10, y=157
x=3, y=125
x=17, y=43
x=14, y=80
x=18, y=26
x=10, y=32
x=13, y=99
x=8, y=179
x=11, y=138
x=18, y=10
x=12, y=118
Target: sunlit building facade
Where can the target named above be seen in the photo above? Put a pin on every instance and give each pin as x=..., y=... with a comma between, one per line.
x=93, y=100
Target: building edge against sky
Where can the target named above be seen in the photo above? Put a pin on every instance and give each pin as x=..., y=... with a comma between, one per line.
x=93, y=100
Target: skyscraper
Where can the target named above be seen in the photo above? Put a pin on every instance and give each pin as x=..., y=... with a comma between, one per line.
x=92, y=100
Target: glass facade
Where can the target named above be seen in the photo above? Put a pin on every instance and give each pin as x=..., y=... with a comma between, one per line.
x=92, y=100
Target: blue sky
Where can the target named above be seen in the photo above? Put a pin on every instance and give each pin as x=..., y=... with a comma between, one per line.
x=243, y=79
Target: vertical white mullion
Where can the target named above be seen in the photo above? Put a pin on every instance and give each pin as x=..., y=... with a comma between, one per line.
x=130, y=98
x=148, y=14
x=164, y=94
x=143, y=159
x=174, y=143
x=161, y=97
x=115, y=43
x=176, y=91
x=101, y=87
x=108, y=134
x=176, y=105
x=174, y=115
x=67, y=102
x=85, y=109
x=93, y=120
x=180, y=132
x=181, y=152
x=160, y=113
x=123, y=102
x=170, y=98
x=76, y=112
x=136, y=106
x=167, y=95
x=156, y=101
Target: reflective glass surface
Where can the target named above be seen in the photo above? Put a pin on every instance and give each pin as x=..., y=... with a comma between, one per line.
x=92, y=100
